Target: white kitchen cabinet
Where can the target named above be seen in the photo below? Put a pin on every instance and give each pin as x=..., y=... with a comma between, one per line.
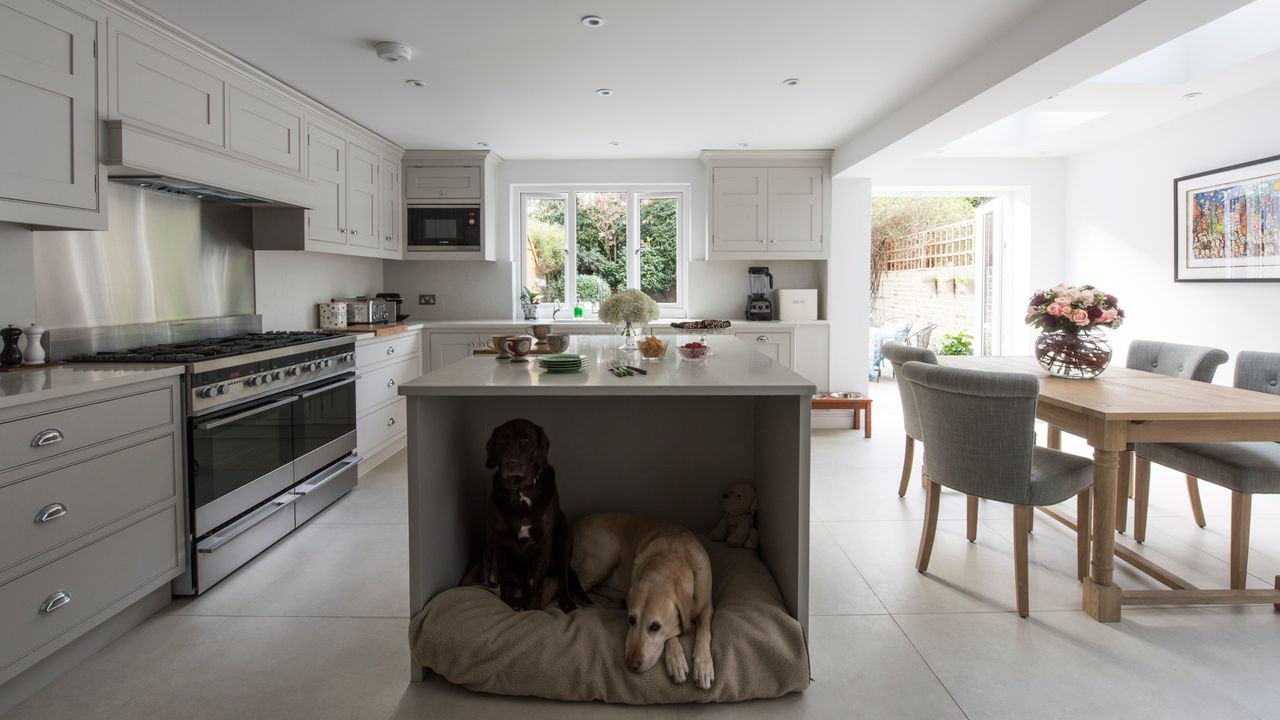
x=159, y=83
x=264, y=128
x=775, y=344
x=50, y=168
x=382, y=365
x=390, y=221
x=739, y=200
x=362, y=197
x=443, y=182
x=449, y=348
x=795, y=210
x=768, y=205
x=326, y=166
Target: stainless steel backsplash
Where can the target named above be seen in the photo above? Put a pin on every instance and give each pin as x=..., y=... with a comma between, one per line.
x=163, y=257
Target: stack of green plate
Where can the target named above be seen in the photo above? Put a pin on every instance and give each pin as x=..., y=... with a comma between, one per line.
x=562, y=363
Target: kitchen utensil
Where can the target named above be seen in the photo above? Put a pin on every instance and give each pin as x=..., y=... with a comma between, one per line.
x=498, y=343
x=562, y=363
x=540, y=332
x=333, y=315
x=367, y=310
x=556, y=343
x=633, y=368
x=518, y=347
x=11, y=355
x=34, y=353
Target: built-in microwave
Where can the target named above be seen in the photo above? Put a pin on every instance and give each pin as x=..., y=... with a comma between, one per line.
x=432, y=228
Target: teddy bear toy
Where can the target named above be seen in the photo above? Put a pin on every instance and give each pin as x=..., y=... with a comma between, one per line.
x=736, y=526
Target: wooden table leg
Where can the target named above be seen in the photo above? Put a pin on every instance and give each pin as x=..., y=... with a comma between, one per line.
x=1101, y=596
x=857, y=424
x=866, y=424
x=1054, y=440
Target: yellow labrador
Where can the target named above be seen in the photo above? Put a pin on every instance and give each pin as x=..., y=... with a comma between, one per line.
x=666, y=576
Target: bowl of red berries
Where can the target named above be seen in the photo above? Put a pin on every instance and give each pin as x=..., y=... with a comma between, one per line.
x=693, y=350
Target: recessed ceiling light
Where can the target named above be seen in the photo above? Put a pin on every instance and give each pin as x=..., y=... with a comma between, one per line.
x=393, y=52
x=604, y=92
x=415, y=83
x=743, y=144
x=483, y=144
x=614, y=143
x=791, y=82
x=1192, y=95
x=144, y=184
x=1051, y=97
x=592, y=21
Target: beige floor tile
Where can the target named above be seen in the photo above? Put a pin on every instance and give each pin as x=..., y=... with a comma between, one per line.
x=835, y=587
x=380, y=497
x=438, y=700
x=319, y=570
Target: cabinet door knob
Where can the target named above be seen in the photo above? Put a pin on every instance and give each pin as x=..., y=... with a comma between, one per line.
x=52, y=511
x=55, y=601
x=771, y=242
x=391, y=350
x=355, y=232
x=391, y=421
x=441, y=193
x=391, y=382
x=47, y=437
x=762, y=338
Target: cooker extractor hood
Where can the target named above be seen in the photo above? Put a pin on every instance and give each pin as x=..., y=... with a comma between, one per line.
x=199, y=191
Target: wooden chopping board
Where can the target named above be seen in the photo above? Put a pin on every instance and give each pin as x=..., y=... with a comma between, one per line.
x=379, y=329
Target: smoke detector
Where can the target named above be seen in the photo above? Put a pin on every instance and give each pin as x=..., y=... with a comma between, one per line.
x=393, y=52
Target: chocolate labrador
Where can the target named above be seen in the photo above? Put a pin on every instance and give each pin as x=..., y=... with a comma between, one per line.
x=529, y=540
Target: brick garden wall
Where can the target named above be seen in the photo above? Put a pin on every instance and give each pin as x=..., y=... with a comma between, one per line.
x=904, y=294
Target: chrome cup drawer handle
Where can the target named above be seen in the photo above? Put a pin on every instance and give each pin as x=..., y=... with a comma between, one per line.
x=47, y=437
x=762, y=338
x=52, y=511
x=391, y=382
x=391, y=421
x=55, y=601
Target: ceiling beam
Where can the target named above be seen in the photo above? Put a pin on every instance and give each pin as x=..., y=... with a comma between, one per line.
x=1057, y=48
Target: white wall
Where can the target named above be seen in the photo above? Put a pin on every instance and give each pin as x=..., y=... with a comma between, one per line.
x=1034, y=242
x=480, y=291
x=288, y=284
x=848, y=282
x=17, y=271
x=1120, y=228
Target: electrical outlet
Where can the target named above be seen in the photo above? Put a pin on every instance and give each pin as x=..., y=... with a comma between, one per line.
x=426, y=299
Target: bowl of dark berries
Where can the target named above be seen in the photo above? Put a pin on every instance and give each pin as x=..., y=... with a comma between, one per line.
x=693, y=350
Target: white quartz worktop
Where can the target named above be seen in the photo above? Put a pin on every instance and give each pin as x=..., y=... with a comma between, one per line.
x=595, y=323
x=409, y=327
x=29, y=386
x=733, y=368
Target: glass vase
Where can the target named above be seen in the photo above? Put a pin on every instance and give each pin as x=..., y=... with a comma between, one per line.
x=629, y=332
x=1074, y=355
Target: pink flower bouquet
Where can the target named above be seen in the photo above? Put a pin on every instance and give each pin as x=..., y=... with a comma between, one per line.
x=1073, y=309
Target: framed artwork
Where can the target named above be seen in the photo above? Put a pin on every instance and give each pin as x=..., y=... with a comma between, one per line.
x=1227, y=224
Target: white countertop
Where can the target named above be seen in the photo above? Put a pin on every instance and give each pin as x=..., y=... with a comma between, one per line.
x=29, y=386
x=409, y=326
x=733, y=368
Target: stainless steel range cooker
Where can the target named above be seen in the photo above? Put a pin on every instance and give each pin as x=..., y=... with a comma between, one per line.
x=271, y=435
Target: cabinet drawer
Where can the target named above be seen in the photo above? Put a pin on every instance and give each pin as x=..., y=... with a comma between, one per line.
x=442, y=183
x=52, y=434
x=92, y=578
x=379, y=426
x=776, y=345
x=79, y=498
x=376, y=352
x=377, y=386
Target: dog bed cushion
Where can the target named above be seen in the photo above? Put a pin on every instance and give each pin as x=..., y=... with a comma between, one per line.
x=471, y=638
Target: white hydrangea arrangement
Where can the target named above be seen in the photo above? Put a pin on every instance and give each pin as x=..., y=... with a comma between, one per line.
x=629, y=306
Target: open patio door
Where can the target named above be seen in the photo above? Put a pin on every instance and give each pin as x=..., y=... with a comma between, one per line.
x=988, y=245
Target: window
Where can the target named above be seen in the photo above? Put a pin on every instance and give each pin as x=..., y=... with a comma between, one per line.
x=582, y=244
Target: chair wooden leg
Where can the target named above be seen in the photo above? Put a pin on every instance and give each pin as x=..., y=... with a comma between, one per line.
x=1141, y=498
x=1241, y=511
x=1054, y=440
x=1021, y=521
x=972, y=517
x=1122, y=491
x=906, y=466
x=1084, y=516
x=931, y=499
x=1193, y=492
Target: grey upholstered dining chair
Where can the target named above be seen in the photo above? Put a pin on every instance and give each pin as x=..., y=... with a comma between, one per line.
x=979, y=428
x=899, y=354
x=1190, y=362
x=1244, y=468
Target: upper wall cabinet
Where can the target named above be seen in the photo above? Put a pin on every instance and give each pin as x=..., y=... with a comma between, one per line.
x=49, y=93
x=391, y=218
x=327, y=168
x=445, y=182
x=158, y=82
x=438, y=179
x=363, y=169
x=768, y=206
x=264, y=128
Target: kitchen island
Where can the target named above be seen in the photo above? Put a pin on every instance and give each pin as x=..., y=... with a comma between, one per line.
x=665, y=445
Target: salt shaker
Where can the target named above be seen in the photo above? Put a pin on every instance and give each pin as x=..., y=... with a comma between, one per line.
x=11, y=356
x=34, y=353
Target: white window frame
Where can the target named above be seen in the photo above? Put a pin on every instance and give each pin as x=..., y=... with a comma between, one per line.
x=636, y=193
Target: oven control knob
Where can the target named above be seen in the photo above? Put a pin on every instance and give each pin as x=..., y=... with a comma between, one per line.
x=276, y=374
x=326, y=363
x=292, y=372
x=308, y=367
x=265, y=377
x=206, y=392
x=221, y=389
x=251, y=381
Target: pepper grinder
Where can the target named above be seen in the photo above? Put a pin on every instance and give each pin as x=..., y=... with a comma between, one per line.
x=34, y=354
x=11, y=356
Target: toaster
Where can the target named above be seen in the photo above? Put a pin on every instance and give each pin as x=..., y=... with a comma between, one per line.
x=363, y=310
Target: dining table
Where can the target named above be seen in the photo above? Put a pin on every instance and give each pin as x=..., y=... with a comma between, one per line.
x=1123, y=406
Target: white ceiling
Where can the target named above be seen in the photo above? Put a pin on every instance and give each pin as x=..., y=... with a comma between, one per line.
x=1223, y=59
x=521, y=75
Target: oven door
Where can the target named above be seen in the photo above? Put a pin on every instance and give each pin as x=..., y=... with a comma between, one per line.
x=324, y=424
x=240, y=459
